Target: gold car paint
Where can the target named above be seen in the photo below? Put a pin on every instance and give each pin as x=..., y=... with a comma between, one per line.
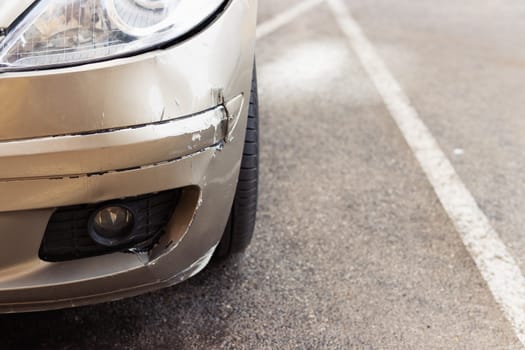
x=11, y=9
x=50, y=110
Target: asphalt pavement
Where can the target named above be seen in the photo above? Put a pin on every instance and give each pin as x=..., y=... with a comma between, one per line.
x=352, y=249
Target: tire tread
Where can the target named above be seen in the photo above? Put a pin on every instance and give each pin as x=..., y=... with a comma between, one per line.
x=241, y=224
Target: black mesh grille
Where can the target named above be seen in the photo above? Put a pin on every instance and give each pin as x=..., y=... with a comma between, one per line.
x=67, y=237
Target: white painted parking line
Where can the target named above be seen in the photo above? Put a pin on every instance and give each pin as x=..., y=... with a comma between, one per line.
x=497, y=266
x=285, y=17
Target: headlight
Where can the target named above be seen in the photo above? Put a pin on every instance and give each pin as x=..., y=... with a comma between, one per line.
x=67, y=32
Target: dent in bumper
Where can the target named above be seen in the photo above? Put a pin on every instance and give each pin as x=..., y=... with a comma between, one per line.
x=28, y=283
x=113, y=150
x=109, y=96
x=209, y=178
x=138, y=90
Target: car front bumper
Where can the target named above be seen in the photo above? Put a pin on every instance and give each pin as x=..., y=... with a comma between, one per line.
x=168, y=119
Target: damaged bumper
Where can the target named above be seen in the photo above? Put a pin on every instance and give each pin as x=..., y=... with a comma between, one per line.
x=169, y=119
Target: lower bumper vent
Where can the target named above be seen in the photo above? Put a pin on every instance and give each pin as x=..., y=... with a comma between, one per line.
x=67, y=236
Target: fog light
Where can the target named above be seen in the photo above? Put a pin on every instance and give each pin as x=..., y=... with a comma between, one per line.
x=111, y=225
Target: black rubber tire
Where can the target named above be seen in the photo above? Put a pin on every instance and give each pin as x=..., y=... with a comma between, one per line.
x=241, y=224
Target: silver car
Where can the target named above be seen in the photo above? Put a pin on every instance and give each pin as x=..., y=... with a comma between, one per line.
x=128, y=145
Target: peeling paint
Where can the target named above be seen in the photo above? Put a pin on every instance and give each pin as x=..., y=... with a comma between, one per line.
x=218, y=146
x=107, y=130
x=46, y=140
x=233, y=109
x=142, y=256
x=217, y=96
x=179, y=137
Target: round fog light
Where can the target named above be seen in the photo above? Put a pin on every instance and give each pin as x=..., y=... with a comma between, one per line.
x=111, y=225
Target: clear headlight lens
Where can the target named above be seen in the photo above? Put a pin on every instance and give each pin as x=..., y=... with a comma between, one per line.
x=66, y=32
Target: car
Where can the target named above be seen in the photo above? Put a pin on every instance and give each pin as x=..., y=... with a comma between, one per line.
x=129, y=145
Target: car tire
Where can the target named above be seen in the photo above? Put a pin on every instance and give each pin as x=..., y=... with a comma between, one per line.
x=241, y=223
